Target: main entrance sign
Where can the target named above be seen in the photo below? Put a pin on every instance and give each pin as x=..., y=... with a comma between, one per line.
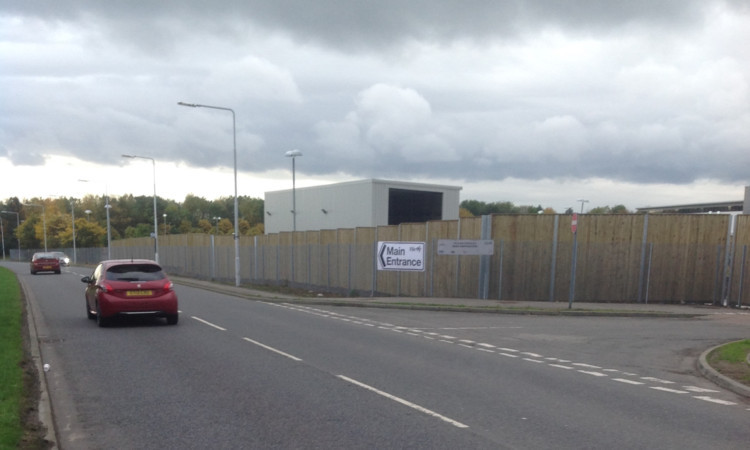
x=405, y=256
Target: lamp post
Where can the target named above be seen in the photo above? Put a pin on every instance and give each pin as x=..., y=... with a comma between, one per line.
x=294, y=154
x=107, y=206
x=165, y=223
x=44, y=222
x=2, y=236
x=236, y=209
x=582, y=202
x=18, y=224
x=156, y=223
x=216, y=222
x=73, y=220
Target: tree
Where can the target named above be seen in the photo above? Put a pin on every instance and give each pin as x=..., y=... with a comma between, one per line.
x=225, y=226
x=90, y=234
x=464, y=213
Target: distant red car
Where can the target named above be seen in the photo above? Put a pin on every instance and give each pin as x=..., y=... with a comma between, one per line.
x=129, y=287
x=44, y=262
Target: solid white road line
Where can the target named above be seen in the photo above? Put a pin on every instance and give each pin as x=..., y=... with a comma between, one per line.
x=404, y=402
x=292, y=357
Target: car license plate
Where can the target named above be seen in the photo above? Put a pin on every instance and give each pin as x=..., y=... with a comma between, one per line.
x=46, y=267
x=139, y=293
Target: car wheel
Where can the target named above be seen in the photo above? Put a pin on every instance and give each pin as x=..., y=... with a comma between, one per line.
x=101, y=321
x=172, y=319
x=57, y=272
x=33, y=273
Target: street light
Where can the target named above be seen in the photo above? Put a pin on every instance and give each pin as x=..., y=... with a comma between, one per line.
x=44, y=222
x=217, y=219
x=236, y=209
x=156, y=230
x=107, y=207
x=294, y=154
x=2, y=236
x=18, y=224
x=582, y=202
x=73, y=222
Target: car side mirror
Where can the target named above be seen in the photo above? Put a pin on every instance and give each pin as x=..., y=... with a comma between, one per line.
x=86, y=279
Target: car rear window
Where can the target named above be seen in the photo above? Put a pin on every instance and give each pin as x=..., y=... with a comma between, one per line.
x=135, y=272
x=43, y=256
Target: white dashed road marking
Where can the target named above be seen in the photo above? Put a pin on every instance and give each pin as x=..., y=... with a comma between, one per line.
x=584, y=368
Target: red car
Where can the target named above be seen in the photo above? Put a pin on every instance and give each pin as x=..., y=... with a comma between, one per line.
x=44, y=262
x=129, y=287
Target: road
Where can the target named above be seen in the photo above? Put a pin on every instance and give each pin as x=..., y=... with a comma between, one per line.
x=246, y=374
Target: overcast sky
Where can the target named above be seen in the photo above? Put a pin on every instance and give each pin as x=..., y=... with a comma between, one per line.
x=643, y=102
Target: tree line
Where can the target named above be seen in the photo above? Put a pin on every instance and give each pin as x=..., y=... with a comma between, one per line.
x=474, y=208
x=25, y=221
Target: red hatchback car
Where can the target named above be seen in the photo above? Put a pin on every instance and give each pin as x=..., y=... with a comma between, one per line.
x=129, y=287
x=44, y=262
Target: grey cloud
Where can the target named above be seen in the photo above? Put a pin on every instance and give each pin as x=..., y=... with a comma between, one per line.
x=361, y=24
x=465, y=90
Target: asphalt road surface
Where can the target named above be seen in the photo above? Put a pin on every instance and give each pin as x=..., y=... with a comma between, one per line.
x=236, y=373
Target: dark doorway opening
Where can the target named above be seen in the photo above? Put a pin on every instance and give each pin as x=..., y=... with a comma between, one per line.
x=413, y=206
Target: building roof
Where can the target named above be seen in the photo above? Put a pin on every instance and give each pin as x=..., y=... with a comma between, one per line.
x=734, y=206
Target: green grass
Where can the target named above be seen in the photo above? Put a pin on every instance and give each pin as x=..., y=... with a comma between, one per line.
x=11, y=355
x=731, y=361
x=736, y=352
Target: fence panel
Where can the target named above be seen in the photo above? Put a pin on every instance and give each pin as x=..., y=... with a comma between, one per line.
x=621, y=258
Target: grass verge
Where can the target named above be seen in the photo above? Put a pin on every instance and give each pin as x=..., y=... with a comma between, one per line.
x=11, y=356
x=19, y=383
x=731, y=361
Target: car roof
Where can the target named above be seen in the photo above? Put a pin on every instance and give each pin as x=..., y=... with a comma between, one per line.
x=117, y=262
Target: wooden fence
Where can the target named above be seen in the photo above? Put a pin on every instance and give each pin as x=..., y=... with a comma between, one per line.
x=620, y=258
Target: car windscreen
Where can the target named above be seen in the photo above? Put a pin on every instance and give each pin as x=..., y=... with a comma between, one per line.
x=135, y=272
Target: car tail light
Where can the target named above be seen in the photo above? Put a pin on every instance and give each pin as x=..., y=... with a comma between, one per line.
x=168, y=286
x=106, y=288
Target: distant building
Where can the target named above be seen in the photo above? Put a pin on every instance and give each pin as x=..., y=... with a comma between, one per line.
x=732, y=207
x=695, y=208
x=363, y=203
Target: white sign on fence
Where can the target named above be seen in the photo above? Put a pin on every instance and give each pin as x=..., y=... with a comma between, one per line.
x=466, y=247
x=407, y=256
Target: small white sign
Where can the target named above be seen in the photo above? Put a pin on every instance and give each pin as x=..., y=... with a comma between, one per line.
x=406, y=256
x=466, y=247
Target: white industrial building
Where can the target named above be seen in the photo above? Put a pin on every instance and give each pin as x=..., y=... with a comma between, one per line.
x=363, y=203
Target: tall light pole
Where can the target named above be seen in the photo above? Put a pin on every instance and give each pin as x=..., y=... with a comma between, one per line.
x=156, y=222
x=44, y=222
x=294, y=154
x=582, y=202
x=73, y=220
x=2, y=236
x=236, y=208
x=107, y=206
x=18, y=224
x=216, y=221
